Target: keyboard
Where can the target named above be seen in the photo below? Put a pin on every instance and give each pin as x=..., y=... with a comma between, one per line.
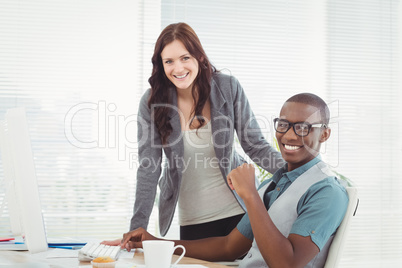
x=93, y=250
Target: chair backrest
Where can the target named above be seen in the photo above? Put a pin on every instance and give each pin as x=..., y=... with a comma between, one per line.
x=338, y=243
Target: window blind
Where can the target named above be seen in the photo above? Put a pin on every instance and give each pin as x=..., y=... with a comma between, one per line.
x=363, y=66
x=54, y=56
x=73, y=66
x=347, y=52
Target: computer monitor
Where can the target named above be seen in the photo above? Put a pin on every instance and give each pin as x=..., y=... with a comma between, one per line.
x=10, y=199
x=22, y=191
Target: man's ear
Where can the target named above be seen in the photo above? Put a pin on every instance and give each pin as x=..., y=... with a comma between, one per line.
x=325, y=135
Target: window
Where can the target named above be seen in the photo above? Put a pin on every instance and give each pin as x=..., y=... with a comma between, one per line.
x=88, y=62
x=363, y=67
x=348, y=53
x=73, y=66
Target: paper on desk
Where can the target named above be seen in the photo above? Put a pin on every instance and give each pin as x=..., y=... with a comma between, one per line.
x=70, y=253
x=64, y=240
x=25, y=265
x=10, y=246
x=189, y=266
x=62, y=253
x=126, y=255
x=16, y=244
x=174, y=266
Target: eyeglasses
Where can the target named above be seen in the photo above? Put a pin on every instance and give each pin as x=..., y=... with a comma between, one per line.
x=301, y=129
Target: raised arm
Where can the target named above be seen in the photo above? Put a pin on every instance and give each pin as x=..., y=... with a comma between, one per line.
x=276, y=249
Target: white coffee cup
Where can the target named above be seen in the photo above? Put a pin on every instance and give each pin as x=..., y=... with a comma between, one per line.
x=158, y=253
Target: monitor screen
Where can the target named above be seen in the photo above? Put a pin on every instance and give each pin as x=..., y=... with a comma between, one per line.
x=22, y=188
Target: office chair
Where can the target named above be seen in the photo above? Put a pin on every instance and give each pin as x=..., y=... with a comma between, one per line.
x=337, y=246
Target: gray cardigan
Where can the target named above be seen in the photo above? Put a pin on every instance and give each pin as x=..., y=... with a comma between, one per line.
x=230, y=111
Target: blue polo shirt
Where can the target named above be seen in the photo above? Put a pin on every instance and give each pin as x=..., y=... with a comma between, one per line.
x=320, y=210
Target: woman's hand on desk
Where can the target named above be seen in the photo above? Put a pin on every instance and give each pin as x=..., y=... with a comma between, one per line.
x=115, y=242
x=134, y=239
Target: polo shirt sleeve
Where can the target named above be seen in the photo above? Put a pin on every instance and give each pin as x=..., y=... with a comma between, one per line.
x=244, y=227
x=321, y=210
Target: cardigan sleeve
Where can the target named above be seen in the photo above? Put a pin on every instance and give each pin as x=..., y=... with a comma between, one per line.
x=249, y=132
x=149, y=165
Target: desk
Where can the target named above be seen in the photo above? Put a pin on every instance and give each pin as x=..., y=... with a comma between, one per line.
x=19, y=257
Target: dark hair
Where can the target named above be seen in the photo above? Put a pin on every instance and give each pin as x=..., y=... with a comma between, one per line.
x=160, y=83
x=313, y=100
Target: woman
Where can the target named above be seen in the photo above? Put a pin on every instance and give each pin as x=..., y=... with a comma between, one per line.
x=190, y=114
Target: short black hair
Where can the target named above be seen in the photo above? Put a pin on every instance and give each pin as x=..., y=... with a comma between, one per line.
x=313, y=100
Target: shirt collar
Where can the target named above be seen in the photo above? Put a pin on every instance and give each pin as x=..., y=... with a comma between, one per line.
x=294, y=174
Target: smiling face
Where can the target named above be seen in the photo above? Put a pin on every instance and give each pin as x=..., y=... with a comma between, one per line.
x=180, y=67
x=297, y=150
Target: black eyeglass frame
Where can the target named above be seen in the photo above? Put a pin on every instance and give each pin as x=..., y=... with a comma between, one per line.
x=309, y=126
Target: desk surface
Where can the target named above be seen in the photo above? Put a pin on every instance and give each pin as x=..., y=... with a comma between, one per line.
x=20, y=257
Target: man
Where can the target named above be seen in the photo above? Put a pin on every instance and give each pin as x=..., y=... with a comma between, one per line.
x=305, y=201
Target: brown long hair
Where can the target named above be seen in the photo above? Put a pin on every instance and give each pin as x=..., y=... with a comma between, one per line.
x=160, y=83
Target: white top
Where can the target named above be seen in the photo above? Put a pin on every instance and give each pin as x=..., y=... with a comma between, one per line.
x=204, y=195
